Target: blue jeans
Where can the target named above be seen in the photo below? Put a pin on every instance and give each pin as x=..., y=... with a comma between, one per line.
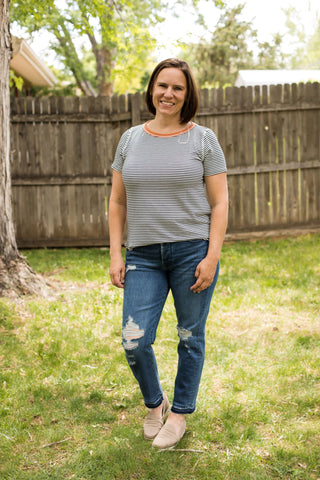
x=151, y=271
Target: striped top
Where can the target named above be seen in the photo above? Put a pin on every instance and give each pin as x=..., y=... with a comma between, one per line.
x=164, y=181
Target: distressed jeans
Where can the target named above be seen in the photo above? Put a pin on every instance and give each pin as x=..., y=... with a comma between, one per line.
x=151, y=272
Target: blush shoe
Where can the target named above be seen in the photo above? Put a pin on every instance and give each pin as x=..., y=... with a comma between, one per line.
x=153, y=423
x=170, y=435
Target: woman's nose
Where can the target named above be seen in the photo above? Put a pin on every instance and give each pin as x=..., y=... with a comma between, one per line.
x=168, y=92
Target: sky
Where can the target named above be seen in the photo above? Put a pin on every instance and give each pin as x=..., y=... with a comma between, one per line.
x=267, y=17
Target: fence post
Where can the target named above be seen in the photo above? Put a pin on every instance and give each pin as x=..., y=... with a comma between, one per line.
x=135, y=109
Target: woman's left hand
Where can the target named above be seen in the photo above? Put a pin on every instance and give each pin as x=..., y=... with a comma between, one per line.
x=204, y=274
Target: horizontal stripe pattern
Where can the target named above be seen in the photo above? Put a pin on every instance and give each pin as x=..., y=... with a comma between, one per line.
x=164, y=181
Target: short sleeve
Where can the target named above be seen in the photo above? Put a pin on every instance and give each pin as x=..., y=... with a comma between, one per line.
x=213, y=157
x=120, y=155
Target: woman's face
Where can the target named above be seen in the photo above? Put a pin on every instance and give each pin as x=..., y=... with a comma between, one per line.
x=169, y=92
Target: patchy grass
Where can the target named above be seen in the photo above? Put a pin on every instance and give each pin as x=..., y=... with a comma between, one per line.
x=70, y=408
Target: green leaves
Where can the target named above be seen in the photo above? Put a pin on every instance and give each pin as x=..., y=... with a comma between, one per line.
x=218, y=60
x=110, y=29
x=15, y=81
x=306, y=44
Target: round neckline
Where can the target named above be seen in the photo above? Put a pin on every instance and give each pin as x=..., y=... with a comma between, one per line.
x=189, y=126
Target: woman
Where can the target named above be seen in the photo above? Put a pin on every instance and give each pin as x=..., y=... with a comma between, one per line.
x=169, y=181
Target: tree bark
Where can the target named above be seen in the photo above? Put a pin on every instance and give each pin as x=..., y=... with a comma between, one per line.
x=104, y=64
x=8, y=246
x=15, y=274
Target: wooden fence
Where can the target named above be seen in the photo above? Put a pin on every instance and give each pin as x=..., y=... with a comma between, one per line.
x=62, y=150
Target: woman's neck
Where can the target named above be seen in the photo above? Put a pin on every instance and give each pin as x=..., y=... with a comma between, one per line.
x=164, y=125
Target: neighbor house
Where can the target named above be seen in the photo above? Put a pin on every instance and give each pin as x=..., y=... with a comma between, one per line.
x=26, y=64
x=248, y=78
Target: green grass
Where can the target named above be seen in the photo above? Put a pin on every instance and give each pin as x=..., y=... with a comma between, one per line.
x=64, y=380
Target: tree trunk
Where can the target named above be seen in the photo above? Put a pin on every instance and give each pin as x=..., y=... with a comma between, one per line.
x=15, y=274
x=105, y=64
x=8, y=246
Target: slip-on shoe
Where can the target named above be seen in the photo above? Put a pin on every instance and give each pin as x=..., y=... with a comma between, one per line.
x=153, y=423
x=169, y=435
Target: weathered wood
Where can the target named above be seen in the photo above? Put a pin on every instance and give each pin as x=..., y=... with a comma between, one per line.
x=136, y=109
x=62, y=150
x=68, y=180
x=72, y=118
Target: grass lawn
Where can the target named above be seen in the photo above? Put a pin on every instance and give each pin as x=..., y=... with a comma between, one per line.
x=70, y=408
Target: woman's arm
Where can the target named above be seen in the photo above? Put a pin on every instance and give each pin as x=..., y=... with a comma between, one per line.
x=217, y=191
x=117, y=218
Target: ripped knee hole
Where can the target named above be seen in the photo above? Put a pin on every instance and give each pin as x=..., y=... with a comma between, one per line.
x=130, y=333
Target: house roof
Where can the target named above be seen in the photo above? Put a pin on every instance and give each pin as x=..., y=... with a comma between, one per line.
x=29, y=66
x=275, y=77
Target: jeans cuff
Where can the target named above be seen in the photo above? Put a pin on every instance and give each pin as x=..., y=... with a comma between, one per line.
x=154, y=405
x=182, y=411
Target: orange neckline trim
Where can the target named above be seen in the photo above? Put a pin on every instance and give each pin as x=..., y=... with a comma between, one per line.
x=174, y=134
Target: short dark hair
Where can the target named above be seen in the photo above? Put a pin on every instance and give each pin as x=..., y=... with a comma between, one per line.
x=191, y=103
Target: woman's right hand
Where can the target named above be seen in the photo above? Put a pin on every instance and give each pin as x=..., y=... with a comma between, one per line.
x=117, y=271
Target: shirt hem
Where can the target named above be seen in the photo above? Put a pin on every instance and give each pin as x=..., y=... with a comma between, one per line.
x=165, y=241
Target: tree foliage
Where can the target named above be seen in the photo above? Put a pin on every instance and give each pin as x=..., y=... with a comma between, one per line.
x=313, y=49
x=306, y=45
x=15, y=81
x=271, y=55
x=234, y=45
x=113, y=34
x=218, y=60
